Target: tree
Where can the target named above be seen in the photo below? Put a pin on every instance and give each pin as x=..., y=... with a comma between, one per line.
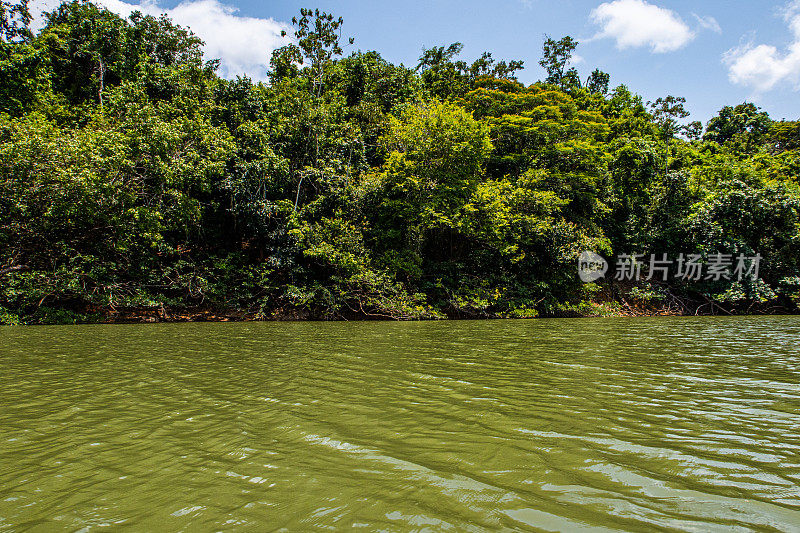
x=487, y=66
x=441, y=73
x=15, y=20
x=318, y=36
x=437, y=152
x=283, y=63
x=89, y=49
x=92, y=49
x=785, y=135
x=158, y=41
x=25, y=83
x=352, y=187
x=438, y=56
x=447, y=77
x=667, y=112
x=597, y=82
x=556, y=56
x=693, y=130
x=317, y=33
x=743, y=127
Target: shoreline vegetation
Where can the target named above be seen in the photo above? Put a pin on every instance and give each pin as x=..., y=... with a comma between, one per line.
x=609, y=302
x=623, y=309
x=137, y=184
x=598, y=310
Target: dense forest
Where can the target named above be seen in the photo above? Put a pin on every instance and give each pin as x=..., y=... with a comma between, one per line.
x=135, y=182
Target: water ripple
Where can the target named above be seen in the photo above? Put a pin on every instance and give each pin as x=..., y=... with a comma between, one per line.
x=551, y=425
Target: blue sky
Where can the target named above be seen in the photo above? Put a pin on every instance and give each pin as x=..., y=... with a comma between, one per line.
x=714, y=53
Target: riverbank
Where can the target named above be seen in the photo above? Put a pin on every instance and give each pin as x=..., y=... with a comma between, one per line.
x=598, y=310
x=605, y=309
x=608, y=299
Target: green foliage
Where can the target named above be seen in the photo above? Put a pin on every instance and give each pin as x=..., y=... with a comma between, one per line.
x=445, y=77
x=132, y=177
x=598, y=81
x=785, y=135
x=668, y=111
x=25, y=85
x=317, y=34
x=556, y=56
x=15, y=20
x=743, y=128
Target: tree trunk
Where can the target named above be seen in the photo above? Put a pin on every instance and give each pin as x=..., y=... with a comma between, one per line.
x=7, y=270
x=101, y=74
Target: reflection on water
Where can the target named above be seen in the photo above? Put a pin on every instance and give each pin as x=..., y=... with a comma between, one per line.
x=556, y=425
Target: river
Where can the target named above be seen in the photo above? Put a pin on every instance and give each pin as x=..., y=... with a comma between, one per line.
x=685, y=424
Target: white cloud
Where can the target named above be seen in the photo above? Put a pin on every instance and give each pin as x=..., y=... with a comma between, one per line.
x=243, y=44
x=762, y=67
x=636, y=23
x=708, y=23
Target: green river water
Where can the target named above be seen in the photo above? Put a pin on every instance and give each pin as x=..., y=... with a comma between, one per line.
x=685, y=424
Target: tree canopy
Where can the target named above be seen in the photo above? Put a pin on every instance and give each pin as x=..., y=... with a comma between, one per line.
x=133, y=177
